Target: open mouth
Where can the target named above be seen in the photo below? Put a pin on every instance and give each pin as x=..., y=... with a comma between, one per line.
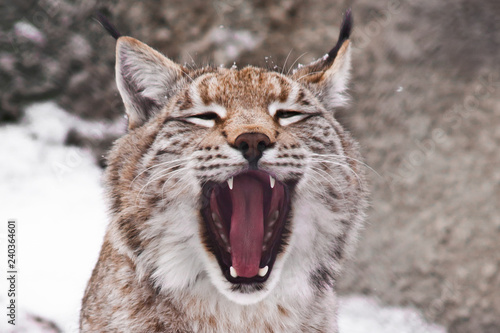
x=245, y=220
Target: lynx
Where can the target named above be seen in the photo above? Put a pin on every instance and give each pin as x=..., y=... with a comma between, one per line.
x=235, y=197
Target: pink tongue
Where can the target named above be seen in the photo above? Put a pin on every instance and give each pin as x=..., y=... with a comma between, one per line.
x=247, y=225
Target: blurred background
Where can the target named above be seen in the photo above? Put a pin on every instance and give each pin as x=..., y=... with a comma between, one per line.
x=425, y=108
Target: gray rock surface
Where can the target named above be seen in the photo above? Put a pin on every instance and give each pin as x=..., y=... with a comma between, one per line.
x=426, y=109
x=427, y=112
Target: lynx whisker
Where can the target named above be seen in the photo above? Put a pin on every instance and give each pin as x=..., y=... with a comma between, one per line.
x=351, y=158
x=158, y=165
x=165, y=182
x=298, y=58
x=321, y=172
x=194, y=62
x=189, y=76
x=345, y=165
x=286, y=59
x=311, y=73
x=156, y=177
x=170, y=167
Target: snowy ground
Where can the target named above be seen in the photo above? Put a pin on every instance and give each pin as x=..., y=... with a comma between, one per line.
x=55, y=194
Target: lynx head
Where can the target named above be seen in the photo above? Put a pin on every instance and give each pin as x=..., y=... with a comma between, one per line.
x=239, y=177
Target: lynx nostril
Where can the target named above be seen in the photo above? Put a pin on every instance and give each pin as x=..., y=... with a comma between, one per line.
x=252, y=145
x=261, y=146
x=243, y=147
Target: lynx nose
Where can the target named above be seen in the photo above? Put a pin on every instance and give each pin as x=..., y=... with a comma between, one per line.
x=252, y=145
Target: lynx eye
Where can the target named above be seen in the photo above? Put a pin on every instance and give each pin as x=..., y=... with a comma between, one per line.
x=206, y=116
x=287, y=117
x=205, y=119
x=284, y=114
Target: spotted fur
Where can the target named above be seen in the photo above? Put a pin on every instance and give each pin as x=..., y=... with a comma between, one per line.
x=157, y=271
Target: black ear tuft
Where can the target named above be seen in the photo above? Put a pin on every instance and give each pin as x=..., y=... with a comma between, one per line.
x=103, y=20
x=345, y=33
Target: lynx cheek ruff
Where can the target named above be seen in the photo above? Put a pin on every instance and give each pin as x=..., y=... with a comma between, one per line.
x=235, y=197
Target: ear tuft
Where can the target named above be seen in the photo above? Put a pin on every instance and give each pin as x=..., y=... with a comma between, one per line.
x=345, y=33
x=145, y=79
x=104, y=22
x=328, y=76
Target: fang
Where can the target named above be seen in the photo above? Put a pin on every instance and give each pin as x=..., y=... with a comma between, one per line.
x=263, y=271
x=232, y=271
x=274, y=218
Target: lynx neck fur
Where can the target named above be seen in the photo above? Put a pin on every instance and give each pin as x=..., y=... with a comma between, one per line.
x=235, y=198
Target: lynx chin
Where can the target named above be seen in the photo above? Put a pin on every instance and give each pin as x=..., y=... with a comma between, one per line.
x=235, y=197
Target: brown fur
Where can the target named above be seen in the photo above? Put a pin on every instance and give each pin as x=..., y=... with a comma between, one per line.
x=157, y=271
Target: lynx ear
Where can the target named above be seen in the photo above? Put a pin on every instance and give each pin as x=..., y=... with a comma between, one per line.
x=145, y=79
x=329, y=76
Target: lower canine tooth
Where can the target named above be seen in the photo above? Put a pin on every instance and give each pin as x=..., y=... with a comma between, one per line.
x=263, y=271
x=232, y=271
x=274, y=218
x=272, y=180
x=230, y=183
x=224, y=238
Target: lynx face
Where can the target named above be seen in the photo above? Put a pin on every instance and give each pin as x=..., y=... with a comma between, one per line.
x=237, y=176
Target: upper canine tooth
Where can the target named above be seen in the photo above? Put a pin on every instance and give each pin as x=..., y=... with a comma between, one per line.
x=230, y=183
x=272, y=180
x=232, y=271
x=263, y=271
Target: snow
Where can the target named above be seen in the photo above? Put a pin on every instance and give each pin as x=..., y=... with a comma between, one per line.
x=360, y=314
x=29, y=31
x=55, y=194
